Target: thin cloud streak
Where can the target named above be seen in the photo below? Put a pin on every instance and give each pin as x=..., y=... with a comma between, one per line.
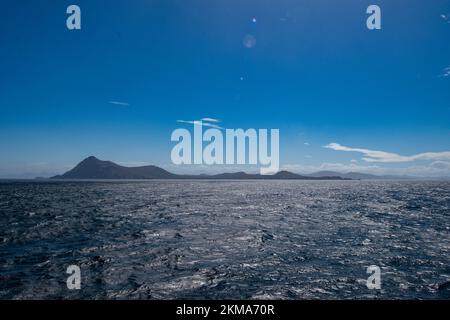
x=446, y=72
x=199, y=122
x=119, y=103
x=211, y=120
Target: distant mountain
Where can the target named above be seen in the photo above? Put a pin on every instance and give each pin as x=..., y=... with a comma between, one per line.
x=93, y=168
x=281, y=175
x=356, y=175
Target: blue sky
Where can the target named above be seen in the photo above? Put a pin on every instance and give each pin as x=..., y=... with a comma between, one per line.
x=116, y=88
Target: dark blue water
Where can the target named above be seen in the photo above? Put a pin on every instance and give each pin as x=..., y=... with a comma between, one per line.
x=225, y=239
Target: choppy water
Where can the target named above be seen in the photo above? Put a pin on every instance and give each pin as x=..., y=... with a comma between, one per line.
x=225, y=239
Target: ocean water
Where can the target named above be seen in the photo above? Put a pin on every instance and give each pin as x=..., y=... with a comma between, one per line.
x=225, y=239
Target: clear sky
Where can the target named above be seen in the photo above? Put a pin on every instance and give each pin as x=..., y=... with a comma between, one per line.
x=116, y=88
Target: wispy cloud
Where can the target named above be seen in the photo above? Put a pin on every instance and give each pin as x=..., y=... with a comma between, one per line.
x=119, y=103
x=446, y=17
x=446, y=72
x=382, y=156
x=201, y=123
x=211, y=120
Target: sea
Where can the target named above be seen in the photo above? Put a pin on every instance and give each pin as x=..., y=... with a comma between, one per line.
x=205, y=239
